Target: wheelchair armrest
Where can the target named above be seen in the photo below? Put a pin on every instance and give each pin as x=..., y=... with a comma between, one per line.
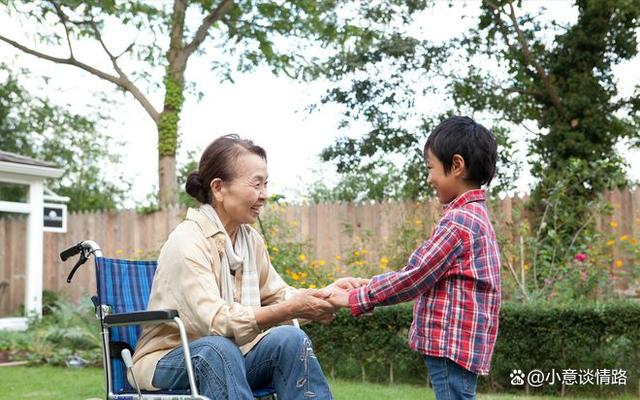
x=140, y=317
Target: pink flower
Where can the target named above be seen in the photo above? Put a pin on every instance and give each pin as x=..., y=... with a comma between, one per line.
x=580, y=257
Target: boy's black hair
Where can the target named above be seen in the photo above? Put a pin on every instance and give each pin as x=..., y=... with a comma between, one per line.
x=472, y=141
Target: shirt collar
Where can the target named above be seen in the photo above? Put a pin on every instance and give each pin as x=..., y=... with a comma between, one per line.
x=208, y=228
x=466, y=197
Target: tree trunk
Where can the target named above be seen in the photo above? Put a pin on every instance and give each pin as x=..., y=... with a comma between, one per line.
x=170, y=115
x=391, y=373
x=167, y=180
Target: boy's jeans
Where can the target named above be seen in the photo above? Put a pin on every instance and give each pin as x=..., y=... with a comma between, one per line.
x=449, y=380
x=283, y=358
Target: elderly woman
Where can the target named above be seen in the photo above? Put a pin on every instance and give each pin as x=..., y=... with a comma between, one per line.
x=214, y=269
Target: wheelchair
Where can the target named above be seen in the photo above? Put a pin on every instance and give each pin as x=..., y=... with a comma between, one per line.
x=123, y=290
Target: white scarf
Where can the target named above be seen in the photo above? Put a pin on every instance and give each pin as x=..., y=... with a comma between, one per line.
x=241, y=258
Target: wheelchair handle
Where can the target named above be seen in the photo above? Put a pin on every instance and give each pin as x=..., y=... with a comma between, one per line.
x=71, y=251
x=85, y=249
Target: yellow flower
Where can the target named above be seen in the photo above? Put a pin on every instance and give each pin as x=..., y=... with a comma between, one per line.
x=358, y=263
x=611, y=242
x=322, y=262
x=294, y=224
x=302, y=257
x=618, y=263
x=295, y=276
x=418, y=222
x=275, y=249
x=303, y=274
x=613, y=224
x=119, y=252
x=384, y=260
x=356, y=253
x=312, y=286
x=139, y=251
x=624, y=237
x=383, y=267
x=526, y=267
x=365, y=252
x=338, y=258
x=633, y=241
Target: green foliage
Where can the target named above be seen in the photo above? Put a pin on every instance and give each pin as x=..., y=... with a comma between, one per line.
x=378, y=78
x=67, y=330
x=545, y=260
x=380, y=180
x=248, y=33
x=567, y=88
x=170, y=116
x=289, y=256
x=34, y=127
x=536, y=335
x=184, y=170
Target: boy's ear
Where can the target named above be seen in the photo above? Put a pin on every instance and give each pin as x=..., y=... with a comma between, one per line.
x=458, y=167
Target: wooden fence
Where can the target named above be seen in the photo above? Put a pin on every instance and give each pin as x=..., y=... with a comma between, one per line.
x=331, y=229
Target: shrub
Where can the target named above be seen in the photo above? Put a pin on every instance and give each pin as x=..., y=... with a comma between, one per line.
x=540, y=335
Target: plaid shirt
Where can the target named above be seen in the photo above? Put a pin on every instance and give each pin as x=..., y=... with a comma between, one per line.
x=455, y=278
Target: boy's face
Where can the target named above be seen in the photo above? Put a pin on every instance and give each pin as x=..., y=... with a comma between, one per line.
x=447, y=186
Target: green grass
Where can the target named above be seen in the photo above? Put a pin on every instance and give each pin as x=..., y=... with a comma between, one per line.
x=50, y=383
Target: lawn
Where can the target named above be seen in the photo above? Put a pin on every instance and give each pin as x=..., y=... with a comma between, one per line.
x=49, y=383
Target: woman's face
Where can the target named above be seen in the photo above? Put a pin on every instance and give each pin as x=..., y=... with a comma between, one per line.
x=242, y=199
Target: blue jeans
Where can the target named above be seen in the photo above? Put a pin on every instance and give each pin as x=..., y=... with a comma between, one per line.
x=449, y=380
x=284, y=359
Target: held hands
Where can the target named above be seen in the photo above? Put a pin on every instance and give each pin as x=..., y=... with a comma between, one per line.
x=320, y=305
x=340, y=290
x=313, y=305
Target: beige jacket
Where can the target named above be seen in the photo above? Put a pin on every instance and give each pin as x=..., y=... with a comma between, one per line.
x=188, y=280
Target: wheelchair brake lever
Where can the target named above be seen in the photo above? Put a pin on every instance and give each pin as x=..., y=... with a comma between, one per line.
x=83, y=258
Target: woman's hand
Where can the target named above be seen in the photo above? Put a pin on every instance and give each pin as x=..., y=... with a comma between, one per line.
x=339, y=298
x=312, y=305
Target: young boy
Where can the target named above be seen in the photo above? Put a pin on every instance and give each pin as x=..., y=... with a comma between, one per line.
x=455, y=274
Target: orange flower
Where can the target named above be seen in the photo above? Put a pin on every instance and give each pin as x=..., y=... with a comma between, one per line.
x=618, y=263
x=613, y=224
x=624, y=237
x=611, y=242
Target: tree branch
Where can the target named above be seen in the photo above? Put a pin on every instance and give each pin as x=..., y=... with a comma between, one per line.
x=119, y=81
x=209, y=20
x=63, y=18
x=544, y=77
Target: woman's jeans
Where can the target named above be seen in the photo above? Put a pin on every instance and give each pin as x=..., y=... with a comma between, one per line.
x=283, y=359
x=449, y=380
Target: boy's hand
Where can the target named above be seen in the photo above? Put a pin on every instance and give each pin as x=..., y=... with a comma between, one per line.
x=348, y=283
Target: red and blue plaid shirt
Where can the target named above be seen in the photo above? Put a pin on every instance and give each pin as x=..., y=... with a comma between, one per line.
x=455, y=278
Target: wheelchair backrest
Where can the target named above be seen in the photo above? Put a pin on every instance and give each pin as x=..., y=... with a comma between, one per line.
x=125, y=286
